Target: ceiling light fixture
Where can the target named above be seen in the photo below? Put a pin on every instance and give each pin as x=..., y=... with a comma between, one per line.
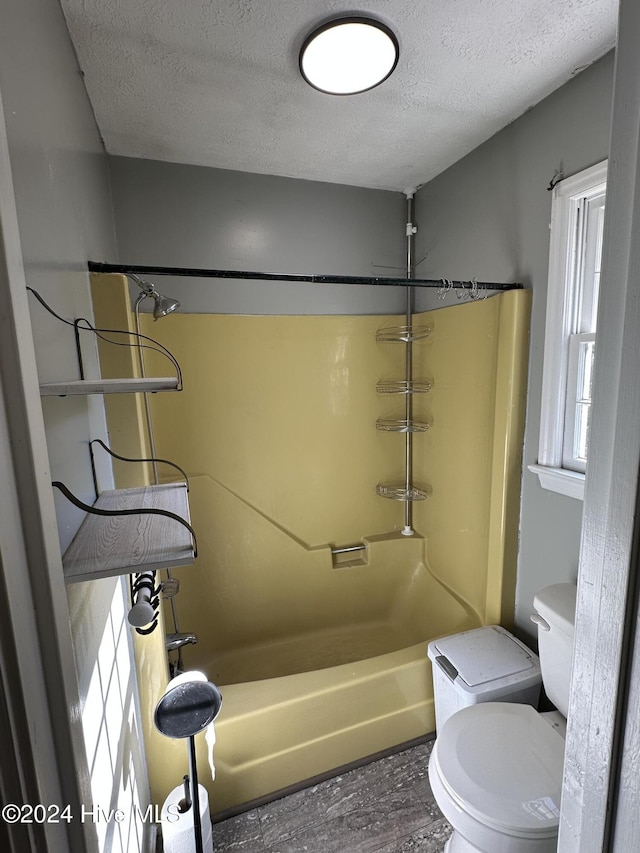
x=348, y=55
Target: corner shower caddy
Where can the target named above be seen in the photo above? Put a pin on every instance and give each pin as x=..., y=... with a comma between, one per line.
x=407, y=334
x=124, y=531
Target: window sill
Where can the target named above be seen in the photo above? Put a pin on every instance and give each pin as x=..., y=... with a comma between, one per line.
x=560, y=480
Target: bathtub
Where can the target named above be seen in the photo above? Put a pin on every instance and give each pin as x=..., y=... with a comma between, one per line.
x=297, y=707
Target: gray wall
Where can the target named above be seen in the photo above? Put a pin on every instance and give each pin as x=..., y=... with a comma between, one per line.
x=61, y=185
x=488, y=216
x=188, y=216
x=62, y=195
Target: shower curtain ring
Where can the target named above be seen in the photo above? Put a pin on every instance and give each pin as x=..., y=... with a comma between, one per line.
x=444, y=290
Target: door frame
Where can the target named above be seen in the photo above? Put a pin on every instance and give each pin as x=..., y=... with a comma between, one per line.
x=40, y=712
x=596, y=812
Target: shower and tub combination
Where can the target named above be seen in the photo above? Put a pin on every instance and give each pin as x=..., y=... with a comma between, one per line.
x=312, y=606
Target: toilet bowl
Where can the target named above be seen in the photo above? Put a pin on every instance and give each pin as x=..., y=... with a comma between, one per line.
x=496, y=773
x=496, y=767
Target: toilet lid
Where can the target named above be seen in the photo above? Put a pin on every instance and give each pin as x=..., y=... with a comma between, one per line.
x=502, y=763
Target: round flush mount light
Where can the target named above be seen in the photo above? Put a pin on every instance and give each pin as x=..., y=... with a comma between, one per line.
x=348, y=55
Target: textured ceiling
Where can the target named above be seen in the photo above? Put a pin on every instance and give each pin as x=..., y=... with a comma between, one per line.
x=216, y=82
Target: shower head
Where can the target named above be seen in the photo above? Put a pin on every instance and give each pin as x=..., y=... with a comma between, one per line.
x=163, y=305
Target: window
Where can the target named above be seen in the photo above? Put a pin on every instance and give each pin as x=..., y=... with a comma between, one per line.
x=112, y=728
x=577, y=222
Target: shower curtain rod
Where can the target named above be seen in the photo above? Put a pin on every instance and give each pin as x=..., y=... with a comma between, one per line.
x=125, y=269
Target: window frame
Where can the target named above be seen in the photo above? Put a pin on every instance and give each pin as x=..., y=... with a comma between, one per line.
x=562, y=321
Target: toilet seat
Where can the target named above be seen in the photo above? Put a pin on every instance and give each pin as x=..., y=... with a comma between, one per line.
x=502, y=764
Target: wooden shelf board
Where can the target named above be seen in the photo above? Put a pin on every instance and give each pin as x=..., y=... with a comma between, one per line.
x=108, y=386
x=107, y=546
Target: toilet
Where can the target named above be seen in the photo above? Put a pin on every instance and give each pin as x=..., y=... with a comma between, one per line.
x=496, y=767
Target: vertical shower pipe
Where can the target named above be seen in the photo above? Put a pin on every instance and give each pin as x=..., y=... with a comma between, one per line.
x=147, y=408
x=408, y=506
x=152, y=453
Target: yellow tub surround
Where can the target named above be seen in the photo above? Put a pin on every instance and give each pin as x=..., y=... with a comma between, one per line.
x=125, y=413
x=319, y=652
x=472, y=455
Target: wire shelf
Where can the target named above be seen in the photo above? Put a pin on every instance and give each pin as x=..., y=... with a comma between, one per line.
x=402, y=386
x=405, y=334
x=399, y=492
x=402, y=425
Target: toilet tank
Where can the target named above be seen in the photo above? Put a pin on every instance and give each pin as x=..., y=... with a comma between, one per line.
x=555, y=608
